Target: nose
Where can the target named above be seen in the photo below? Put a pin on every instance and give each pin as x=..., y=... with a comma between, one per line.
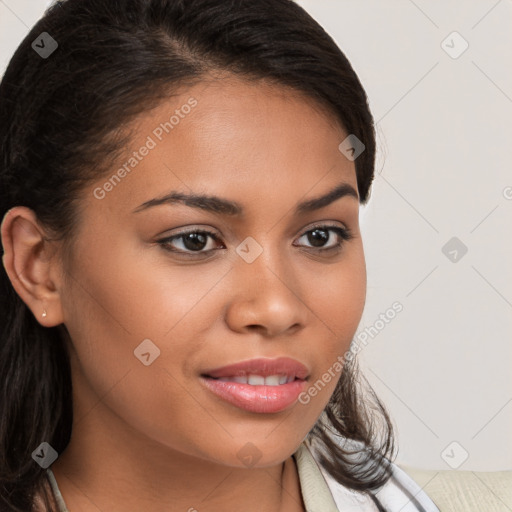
x=265, y=296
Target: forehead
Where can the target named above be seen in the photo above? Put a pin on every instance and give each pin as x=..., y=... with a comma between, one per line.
x=231, y=138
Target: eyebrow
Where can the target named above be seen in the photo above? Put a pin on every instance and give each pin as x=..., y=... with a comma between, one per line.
x=222, y=206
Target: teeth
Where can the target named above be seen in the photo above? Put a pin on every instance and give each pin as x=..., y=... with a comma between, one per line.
x=259, y=380
x=271, y=380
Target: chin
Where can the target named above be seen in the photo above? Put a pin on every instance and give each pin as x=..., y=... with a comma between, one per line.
x=256, y=453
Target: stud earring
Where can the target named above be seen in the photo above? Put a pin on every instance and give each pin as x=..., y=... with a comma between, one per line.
x=44, y=313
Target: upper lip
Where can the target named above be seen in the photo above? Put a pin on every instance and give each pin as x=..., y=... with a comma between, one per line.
x=261, y=366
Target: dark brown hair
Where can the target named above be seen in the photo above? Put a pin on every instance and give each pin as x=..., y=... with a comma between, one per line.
x=62, y=125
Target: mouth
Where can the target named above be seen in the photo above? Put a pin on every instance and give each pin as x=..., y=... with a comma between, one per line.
x=258, y=385
x=256, y=380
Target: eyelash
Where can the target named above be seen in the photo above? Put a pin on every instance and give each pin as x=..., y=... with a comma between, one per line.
x=344, y=233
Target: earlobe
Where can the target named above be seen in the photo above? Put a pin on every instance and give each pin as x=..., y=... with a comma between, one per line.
x=27, y=261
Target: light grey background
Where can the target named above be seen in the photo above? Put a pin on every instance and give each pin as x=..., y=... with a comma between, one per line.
x=442, y=365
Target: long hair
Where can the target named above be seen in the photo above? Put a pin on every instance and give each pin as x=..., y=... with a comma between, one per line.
x=63, y=123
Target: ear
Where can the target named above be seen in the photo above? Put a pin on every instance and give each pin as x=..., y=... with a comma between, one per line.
x=28, y=261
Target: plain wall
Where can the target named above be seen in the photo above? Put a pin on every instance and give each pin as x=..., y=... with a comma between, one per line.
x=442, y=364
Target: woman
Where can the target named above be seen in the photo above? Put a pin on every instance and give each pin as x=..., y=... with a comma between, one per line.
x=183, y=270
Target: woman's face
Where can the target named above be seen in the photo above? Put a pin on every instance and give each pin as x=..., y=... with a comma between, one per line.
x=150, y=316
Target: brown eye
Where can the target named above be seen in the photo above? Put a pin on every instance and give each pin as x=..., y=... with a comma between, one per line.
x=320, y=236
x=189, y=242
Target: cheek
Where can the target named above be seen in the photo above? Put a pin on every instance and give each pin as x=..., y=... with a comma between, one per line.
x=129, y=298
x=338, y=302
x=109, y=312
x=338, y=298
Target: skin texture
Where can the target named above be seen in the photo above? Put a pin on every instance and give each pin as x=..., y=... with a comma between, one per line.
x=143, y=436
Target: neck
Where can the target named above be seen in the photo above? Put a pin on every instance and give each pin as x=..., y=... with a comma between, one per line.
x=98, y=471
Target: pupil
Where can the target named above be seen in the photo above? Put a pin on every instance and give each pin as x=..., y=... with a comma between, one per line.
x=194, y=241
x=317, y=236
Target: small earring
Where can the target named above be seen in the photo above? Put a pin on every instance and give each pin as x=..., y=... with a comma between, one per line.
x=44, y=313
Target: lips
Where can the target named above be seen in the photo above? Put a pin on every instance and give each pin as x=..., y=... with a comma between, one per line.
x=258, y=385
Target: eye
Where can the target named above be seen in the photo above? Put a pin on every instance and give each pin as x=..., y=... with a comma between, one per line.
x=197, y=242
x=321, y=239
x=189, y=242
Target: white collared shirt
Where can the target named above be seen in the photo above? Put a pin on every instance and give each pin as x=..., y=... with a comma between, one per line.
x=322, y=493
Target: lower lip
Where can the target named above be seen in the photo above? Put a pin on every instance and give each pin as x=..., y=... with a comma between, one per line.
x=261, y=399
